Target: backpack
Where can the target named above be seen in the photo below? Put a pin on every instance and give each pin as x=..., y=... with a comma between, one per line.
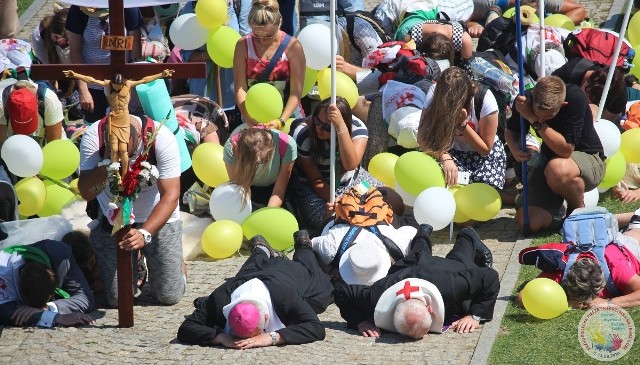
x=364, y=207
x=369, y=18
x=407, y=66
x=500, y=34
x=501, y=99
x=313, y=7
x=41, y=90
x=598, y=45
x=30, y=253
x=590, y=230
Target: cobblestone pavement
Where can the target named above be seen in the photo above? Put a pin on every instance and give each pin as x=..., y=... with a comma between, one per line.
x=153, y=338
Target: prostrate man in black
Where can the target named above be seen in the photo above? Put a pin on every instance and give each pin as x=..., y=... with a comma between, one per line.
x=572, y=158
x=422, y=291
x=271, y=301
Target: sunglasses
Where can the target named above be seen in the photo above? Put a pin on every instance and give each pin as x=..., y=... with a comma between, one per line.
x=324, y=126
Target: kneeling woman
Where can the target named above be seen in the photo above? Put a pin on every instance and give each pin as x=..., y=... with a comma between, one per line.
x=260, y=160
x=311, y=178
x=451, y=132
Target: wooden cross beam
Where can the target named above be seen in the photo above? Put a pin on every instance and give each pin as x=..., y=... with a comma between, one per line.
x=129, y=71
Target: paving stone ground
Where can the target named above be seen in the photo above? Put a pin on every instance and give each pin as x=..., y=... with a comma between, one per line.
x=153, y=338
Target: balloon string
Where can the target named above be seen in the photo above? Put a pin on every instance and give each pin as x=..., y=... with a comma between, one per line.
x=59, y=183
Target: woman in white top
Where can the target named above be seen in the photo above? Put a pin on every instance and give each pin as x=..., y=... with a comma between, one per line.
x=461, y=140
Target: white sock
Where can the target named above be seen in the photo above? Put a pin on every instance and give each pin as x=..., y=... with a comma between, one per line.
x=266, y=250
x=635, y=220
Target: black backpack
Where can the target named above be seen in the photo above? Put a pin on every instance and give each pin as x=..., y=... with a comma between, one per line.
x=499, y=35
x=369, y=18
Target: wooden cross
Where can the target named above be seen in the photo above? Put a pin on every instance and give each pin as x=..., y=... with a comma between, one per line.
x=117, y=43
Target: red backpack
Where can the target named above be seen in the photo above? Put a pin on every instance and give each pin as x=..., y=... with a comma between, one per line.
x=408, y=66
x=598, y=45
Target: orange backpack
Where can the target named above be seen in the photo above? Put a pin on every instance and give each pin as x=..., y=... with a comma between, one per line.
x=363, y=208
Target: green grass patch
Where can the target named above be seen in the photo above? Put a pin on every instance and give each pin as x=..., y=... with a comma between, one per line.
x=524, y=339
x=23, y=5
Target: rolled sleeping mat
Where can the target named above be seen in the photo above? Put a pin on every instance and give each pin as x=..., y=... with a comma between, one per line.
x=156, y=103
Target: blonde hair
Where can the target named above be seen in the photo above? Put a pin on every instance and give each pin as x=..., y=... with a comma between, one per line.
x=264, y=12
x=253, y=147
x=438, y=123
x=549, y=93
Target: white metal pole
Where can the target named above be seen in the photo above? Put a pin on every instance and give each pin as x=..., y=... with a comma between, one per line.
x=542, y=39
x=332, y=158
x=614, y=59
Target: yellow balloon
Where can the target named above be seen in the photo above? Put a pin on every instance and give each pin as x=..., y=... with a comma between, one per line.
x=211, y=13
x=635, y=70
x=310, y=78
x=616, y=168
x=381, y=167
x=74, y=186
x=559, y=21
x=58, y=196
x=208, y=164
x=287, y=125
x=459, y=217
x=478, y=201
x=221, y=239
x=221, y=45
x=31, y=194
x=630, y=141
x=277, y=225
x=528, y=12
x=416, y=171
x=61, y=159
x=345, y=87
x=263, y=102
x=633, y=30
x=544, y=298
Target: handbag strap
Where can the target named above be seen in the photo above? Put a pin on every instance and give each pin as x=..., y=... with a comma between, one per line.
x=274, y=60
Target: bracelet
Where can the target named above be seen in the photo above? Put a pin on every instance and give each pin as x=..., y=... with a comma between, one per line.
x=342, y=132
x=446, y=159
x=282, y=123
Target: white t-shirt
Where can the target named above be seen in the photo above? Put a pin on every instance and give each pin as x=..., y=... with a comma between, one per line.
x=10, y=265
x=489, y=106
x=168, y=164
x=326, y=245
x=52, y=109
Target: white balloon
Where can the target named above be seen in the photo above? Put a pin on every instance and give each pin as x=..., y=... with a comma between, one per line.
x=609, y=136
x=226, y=203
x=407, y=198
x=591, y=198
x=316, y=43
x=187, y=33
x=435, y=206
x=23, y=155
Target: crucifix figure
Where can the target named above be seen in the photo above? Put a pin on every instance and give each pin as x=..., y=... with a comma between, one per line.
x=119, y=94
x=118, y=44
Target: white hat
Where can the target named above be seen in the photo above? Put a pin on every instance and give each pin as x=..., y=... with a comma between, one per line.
x=411, y=288
x=553, y=60
x=403, y=126
x=364, y=263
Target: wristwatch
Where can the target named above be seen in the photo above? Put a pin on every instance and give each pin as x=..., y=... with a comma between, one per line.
x=476, y=318
x=146, y=235
x=282, y=122
x=274, y=338
x=536, y=125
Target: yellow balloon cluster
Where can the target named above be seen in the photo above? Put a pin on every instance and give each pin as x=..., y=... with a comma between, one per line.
x=208, y=164
x=277, y=225
x=58, y=195
x=221, y=239
x=544, y=298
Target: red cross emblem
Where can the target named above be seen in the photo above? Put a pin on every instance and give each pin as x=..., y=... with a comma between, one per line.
x=404, y=99
x=407, y=290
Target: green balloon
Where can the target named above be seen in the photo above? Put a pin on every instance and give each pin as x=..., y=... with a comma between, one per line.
x=61, y=159
x=277, y=225
x=616, y=168
x=263, y=102
x=57, y=198
x=221, y=45
x=310, y=78
x=416, y=171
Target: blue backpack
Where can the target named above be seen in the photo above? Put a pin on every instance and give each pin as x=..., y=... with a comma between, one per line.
x=590, y=230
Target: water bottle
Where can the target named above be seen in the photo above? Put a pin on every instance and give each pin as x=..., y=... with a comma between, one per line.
x=493, y=76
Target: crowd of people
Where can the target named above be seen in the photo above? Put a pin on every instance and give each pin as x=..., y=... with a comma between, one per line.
x=379, y=271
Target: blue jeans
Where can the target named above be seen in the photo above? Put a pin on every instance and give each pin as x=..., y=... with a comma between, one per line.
x=239, y=16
